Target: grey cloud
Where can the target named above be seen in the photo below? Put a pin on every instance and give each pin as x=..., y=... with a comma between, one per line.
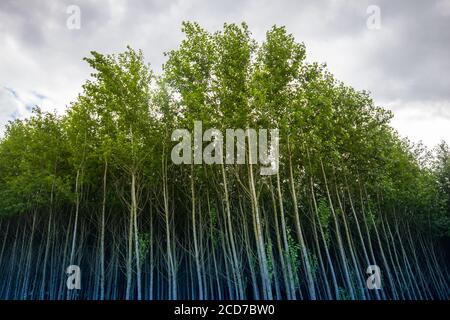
x=407, y=60
x=417, y=53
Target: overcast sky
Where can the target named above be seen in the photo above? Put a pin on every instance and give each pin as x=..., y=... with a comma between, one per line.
x=404, y=61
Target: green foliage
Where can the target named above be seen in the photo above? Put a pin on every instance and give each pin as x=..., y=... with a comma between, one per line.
x=225, y=79
x=293, y=256
x=324, y=214
x=314, y=264
x=343, y=294
x=441, y=174
x=270, y=262
x=144, y=245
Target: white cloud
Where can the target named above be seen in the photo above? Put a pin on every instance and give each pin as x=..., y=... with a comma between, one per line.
x=8, y=106
x=422, y=121
x=19, y=104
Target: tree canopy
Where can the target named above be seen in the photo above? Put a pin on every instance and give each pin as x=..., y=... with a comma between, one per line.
x=96, y=187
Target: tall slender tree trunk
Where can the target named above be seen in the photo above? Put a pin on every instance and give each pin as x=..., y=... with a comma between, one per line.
x=236, y=263
x=284, y=254
x=102, y=236
x=47, y=246
x=134, y=207
x=213, y=246
x=356, y=266
x=77, y=210
x=194, y=231
x=170, y=260
x=301, y=239
x=325, y=244
x=287, y=251
x=338, y=234
x=130, y=248
x=25, y=289
x=259, y=235
x=250, y=259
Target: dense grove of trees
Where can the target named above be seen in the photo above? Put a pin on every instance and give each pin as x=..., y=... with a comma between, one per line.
x=96, y=187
